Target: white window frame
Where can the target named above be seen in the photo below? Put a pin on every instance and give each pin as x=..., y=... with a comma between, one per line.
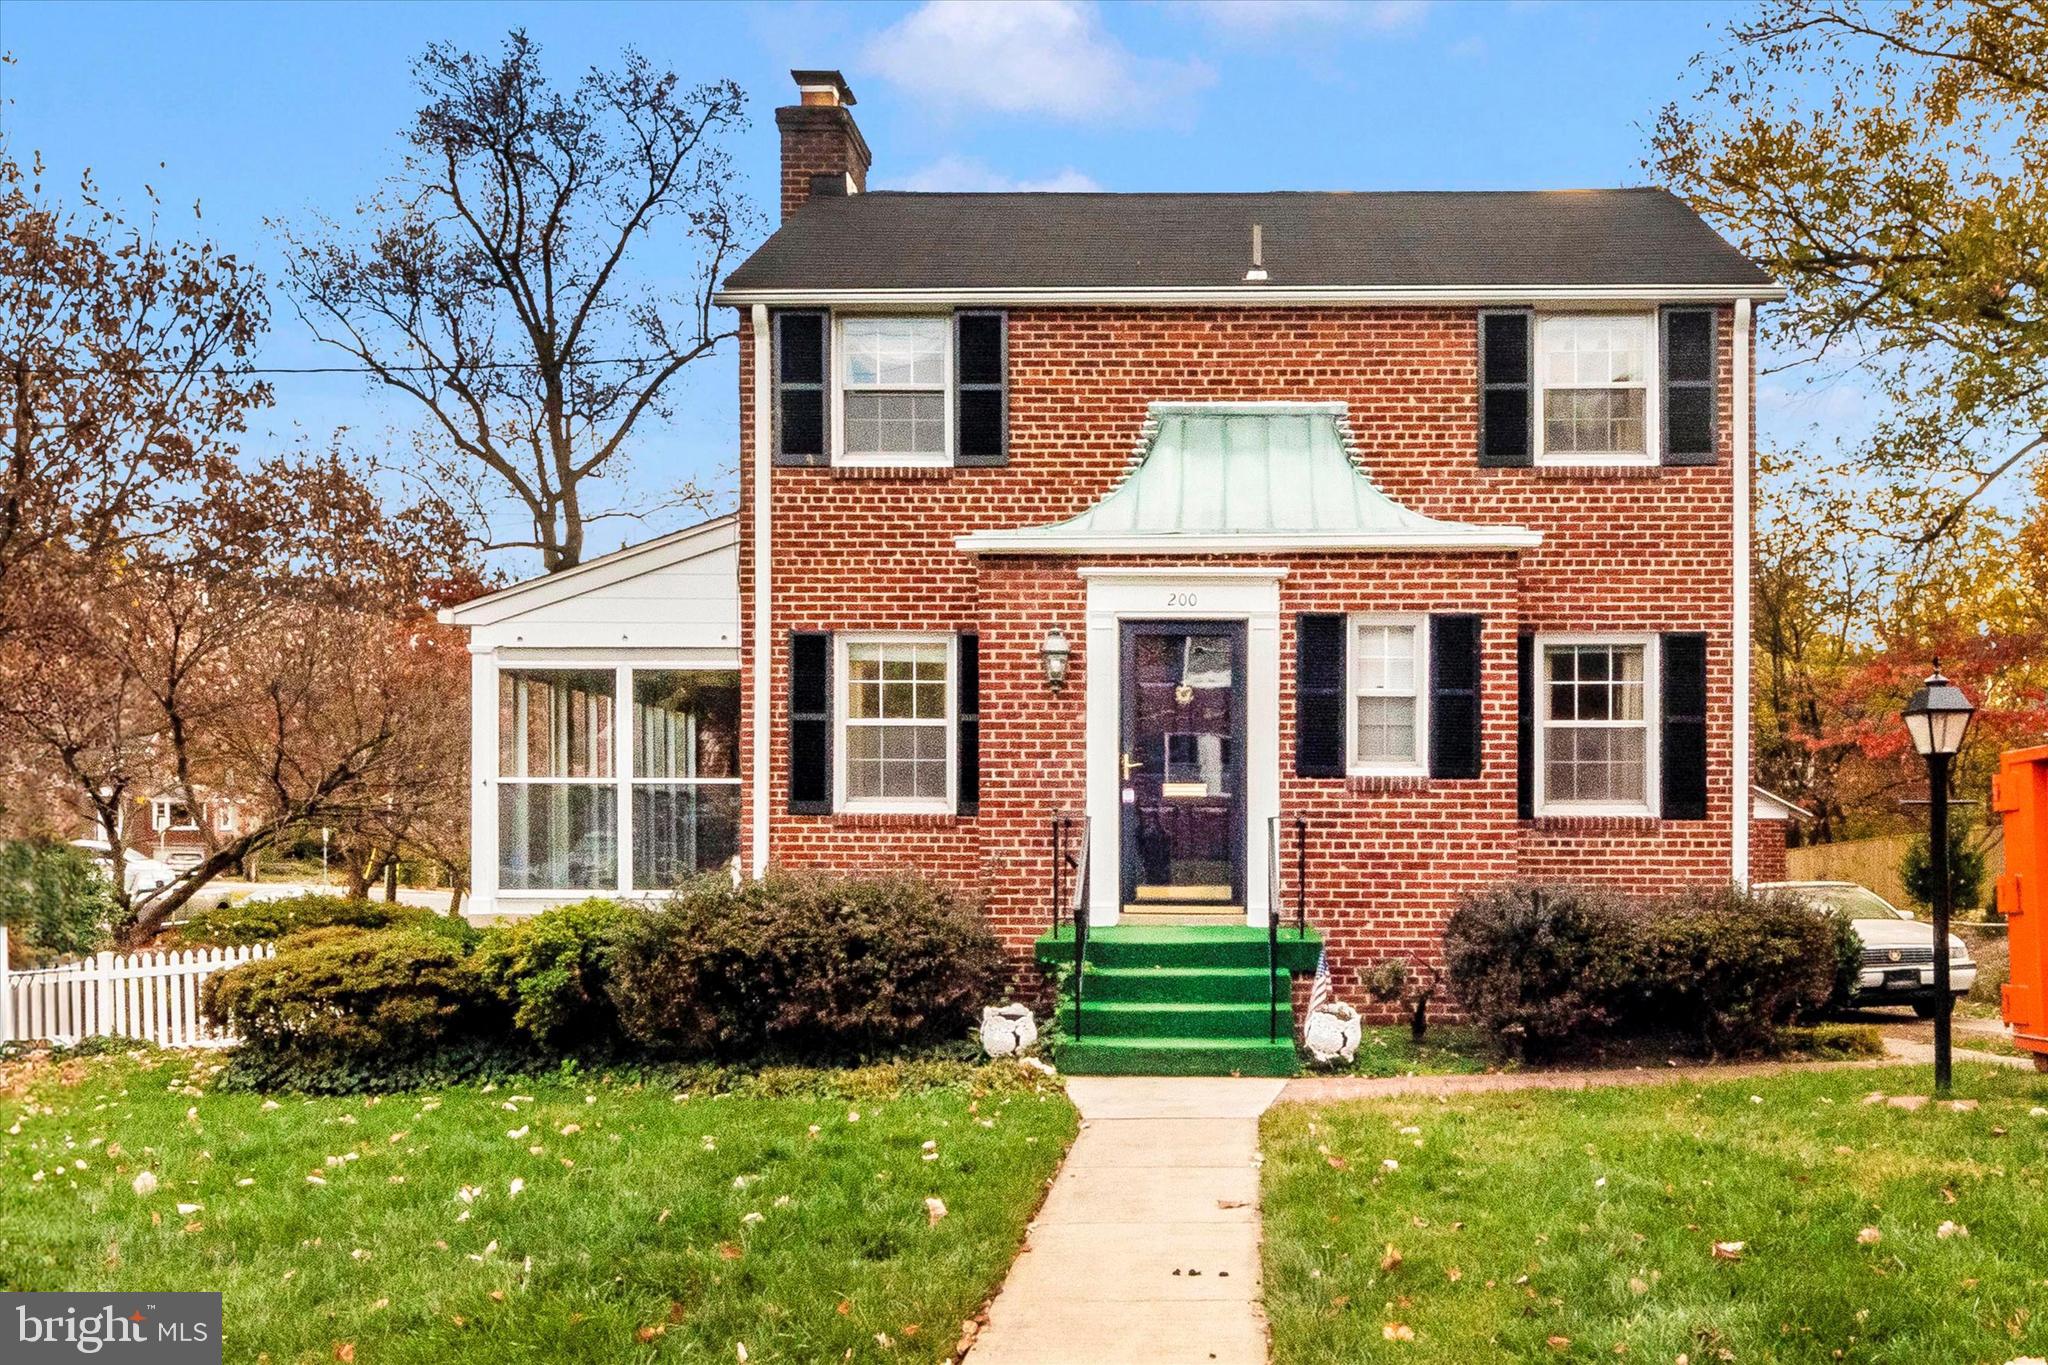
x=837, y=362
x=623, y=777
x=1354, y=689
x=160, y=817
x=1653, y=380
x=1653, y=726
x=842, y=716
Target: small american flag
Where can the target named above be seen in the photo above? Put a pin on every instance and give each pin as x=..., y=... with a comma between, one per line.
x=1319, y=994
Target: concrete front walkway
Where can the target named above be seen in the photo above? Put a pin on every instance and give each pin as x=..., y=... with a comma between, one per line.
x=1147, y=1249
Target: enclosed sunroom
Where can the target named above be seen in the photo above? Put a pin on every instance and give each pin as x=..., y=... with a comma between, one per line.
x=604, y=725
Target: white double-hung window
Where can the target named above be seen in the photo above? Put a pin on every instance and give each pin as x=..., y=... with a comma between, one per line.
x=1596, y=376
x=895, y=742
x=893, y=391
x=1597, y=726
x=1389, y=694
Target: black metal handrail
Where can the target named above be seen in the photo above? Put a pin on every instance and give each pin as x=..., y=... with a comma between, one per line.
x=1273, y=929
x=1070, y=891
x=1300, y=877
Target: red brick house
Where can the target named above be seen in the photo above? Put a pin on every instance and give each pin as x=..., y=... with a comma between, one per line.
x=1346, y=551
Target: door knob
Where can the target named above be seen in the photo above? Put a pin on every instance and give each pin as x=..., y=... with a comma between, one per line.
x=1131, y=765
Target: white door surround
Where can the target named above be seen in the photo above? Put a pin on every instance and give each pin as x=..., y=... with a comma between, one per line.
x=1250, y=595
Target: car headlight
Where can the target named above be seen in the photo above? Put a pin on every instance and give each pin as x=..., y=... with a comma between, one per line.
x=1958, y=952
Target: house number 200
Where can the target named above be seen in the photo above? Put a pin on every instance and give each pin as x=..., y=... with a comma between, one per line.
x=1180, y=599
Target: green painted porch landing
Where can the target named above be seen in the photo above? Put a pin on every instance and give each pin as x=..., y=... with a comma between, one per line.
x=1170, y=1000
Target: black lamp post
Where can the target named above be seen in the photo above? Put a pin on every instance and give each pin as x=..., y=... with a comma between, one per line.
x=1937, y=718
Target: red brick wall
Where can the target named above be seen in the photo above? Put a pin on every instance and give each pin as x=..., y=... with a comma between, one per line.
x=1640, y=550
x=1767, y=851
x=818, y=140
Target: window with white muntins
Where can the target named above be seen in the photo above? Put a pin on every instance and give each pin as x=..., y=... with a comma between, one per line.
x=1595, y=374
x=1596, y=730
x=895, y=742
x=894, y=390
x=1389, y=694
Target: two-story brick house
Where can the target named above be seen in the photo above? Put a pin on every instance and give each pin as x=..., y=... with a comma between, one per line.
x=1354, y=549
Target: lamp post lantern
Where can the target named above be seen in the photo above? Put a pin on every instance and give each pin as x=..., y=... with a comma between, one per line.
x=1937, y=718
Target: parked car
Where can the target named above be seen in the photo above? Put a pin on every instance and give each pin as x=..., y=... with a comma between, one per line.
x=142, y=874
x=1898, y=948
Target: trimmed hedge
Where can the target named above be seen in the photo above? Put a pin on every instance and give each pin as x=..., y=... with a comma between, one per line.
x=803, y=963
x=262, y=921
x=554, y=970
x=1542, y=966
x=343, y=1008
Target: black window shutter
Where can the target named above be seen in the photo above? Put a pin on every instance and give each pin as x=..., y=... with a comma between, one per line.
x=1683, y=750
x=1454, y=696
x=803, y=367
x=981, y=396
x=1525, y=727
x=1319, y=668
x=967, y=727
x=1506, y=361
x=1691, y=363
x=810, y=723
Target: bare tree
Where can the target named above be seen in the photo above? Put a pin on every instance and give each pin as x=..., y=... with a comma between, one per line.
x=496, y=283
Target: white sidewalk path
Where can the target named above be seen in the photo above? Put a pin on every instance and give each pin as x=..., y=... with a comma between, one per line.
x=1147, y=1249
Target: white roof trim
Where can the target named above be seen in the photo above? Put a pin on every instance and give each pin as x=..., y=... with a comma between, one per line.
x=1253, y=295
x=1474, y=538
x=1771, y=806
x=616, y=567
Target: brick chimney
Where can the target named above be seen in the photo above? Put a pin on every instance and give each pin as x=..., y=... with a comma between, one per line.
x=822, y=149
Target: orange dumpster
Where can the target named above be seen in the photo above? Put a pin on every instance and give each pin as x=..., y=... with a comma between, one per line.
x=2020, y=794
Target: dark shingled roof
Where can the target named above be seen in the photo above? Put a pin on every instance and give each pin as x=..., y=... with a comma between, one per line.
x=895, y=240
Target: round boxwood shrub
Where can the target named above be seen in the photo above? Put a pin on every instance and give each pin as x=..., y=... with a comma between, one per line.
x=262, y=921
x=803, y=963
x=1735, y=968
x=553, y=971
x=1538, y=966
x=341, y=1008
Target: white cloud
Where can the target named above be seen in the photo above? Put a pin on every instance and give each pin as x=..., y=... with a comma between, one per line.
x=966, y=173
x=1265, y=17
x=1051, y=57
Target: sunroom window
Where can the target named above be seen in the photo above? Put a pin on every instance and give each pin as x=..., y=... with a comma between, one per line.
x=1594, y=371
x=570, y=781
x=892, y=389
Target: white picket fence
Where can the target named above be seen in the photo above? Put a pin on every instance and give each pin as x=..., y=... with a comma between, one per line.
x=153, y=996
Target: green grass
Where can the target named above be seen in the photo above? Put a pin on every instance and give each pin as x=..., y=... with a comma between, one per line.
x=1443, y=1051
x=634, y=1225
x=1567, y=1226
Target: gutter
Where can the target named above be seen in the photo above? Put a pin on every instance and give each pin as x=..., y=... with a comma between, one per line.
x=1250, y=295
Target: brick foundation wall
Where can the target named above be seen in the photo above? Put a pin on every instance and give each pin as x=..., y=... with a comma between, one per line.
x=1635, y=550
x=1767, y=851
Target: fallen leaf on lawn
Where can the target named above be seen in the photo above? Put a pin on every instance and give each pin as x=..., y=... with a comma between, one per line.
x=1398, y=1331
x=753, y=1218
x=1392, y=1260
x=1564, y=1343
x=145, y=1183
x=739, y=1348
x=512, y=1190
x=845, y=1306
x=1729, y=1251
x=909, y=1329
x=344, y=1351
x=934, y=1210
x=1636, y=1285
x=1453, y=1274
x=1948, y=1230
x=1231, y=1203
x=643, y=1335
x=1389, y=1164
x=662, y=1219
x=1869, y=1237
x=676, y=1311
x=189, y=1209
x=1338, y=1163
x=728, y=1252
x=497, y=1296
x=883, y=1340
x=380, y=1305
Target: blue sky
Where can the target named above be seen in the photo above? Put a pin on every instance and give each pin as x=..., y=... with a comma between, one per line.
x=268, y=111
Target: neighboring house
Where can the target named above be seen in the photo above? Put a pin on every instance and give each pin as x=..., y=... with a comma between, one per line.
x=171, y=828
x=1404, y=534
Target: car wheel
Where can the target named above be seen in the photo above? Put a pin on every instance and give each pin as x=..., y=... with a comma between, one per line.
x=1925, y=1009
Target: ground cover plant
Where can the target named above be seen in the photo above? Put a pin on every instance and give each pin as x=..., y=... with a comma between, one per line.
x=804, y=1215
x=1777, y=1219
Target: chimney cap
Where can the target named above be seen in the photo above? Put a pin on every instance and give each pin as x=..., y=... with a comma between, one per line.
x=829, y=84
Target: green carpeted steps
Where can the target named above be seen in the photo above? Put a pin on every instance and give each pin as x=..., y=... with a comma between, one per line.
x=1180, y=1000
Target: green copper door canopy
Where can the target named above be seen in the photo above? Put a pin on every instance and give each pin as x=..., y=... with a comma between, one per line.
x=1246, y=477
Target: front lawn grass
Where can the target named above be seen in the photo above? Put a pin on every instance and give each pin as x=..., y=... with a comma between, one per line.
x=647, y=1226
x=1580, y=1226
x=1445, y=1050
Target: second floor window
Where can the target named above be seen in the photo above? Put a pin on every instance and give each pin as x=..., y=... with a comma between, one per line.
x=893, y=389
x=1594, y=370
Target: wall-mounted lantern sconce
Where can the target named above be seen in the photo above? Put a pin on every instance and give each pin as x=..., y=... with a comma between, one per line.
x=1055, y=651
